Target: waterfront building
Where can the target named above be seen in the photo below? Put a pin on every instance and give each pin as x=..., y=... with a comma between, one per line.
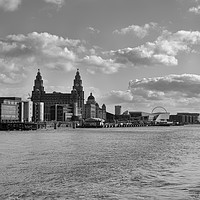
x=185, y=118
x=94, y=122
x=142, y=117
x=110, y=118
x=92, y=109
x=118, y=110
x=159, y=117
x=139, y=116
x=26, y=111
x=38, y=111
x=125, y=117
x=75, y=99
x=61, y=113
x=9, y=109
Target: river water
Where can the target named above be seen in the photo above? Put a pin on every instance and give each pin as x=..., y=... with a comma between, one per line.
x=136, y=163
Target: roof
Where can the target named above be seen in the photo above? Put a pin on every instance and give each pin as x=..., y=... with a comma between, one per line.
x=94, y=119
x=91, y=97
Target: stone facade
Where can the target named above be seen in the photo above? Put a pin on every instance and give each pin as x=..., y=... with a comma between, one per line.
x=92, y=109
x=75, y=98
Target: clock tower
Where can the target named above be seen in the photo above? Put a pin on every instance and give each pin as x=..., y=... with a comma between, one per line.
x=79, y=88
x=38, y=88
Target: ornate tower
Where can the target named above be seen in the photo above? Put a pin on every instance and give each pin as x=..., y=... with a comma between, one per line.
x=38, y=88
x=79, y=88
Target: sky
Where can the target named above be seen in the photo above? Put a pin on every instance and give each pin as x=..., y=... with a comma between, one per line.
x=135, y=53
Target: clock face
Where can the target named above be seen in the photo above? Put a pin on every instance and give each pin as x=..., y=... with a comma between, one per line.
x=77, y=84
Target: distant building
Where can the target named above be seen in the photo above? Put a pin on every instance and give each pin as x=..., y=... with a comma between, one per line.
x=185, y=118
x=9, y=109
x=110, y=118
x=92, y=109
x=125, y=117
x=118, y=110
x=75, y=98
x=142, y=117
x=139, y=116
x=159, y=117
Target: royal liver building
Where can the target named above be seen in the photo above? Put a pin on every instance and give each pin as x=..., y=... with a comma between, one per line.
x=65, y=104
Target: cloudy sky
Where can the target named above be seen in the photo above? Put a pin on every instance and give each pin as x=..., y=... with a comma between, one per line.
x=135, y=53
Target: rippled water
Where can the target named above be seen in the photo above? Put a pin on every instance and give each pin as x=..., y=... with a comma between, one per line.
x=118, y=163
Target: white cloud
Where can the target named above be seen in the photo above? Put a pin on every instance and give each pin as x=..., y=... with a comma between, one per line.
x=97, y=63
x=163, y=51
x=59, y=3
x=174, y=92
x=10, y=5
x=93, y=30
x=195, y=10
x=20, y=52
x=185, y=85
x=139, y=31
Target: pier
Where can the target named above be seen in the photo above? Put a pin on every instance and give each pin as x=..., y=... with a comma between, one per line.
x=23, y=126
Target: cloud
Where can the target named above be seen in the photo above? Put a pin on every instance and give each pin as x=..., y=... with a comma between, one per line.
x=93, y=30
x=169, y=91
x=174, y=92
x=163, y=51
x=185, y=85
x=139, y=31
x=10, y=5
x=59, y=3
x=18, y=53
x=97, y=63
x=117, y=97
x=195, y=10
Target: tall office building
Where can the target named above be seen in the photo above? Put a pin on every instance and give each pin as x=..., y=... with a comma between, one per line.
x=75, y=98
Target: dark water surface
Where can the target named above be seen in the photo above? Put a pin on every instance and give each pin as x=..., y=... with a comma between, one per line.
x=143, y=163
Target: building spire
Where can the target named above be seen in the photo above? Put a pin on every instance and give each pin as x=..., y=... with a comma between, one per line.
x=38, y=86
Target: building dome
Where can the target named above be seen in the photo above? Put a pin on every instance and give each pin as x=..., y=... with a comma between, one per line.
x=91, y=97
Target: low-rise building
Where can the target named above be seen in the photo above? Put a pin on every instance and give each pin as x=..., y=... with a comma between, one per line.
x=185, y=118
x=159, y=118
x=94, y=122
x=9, y=109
